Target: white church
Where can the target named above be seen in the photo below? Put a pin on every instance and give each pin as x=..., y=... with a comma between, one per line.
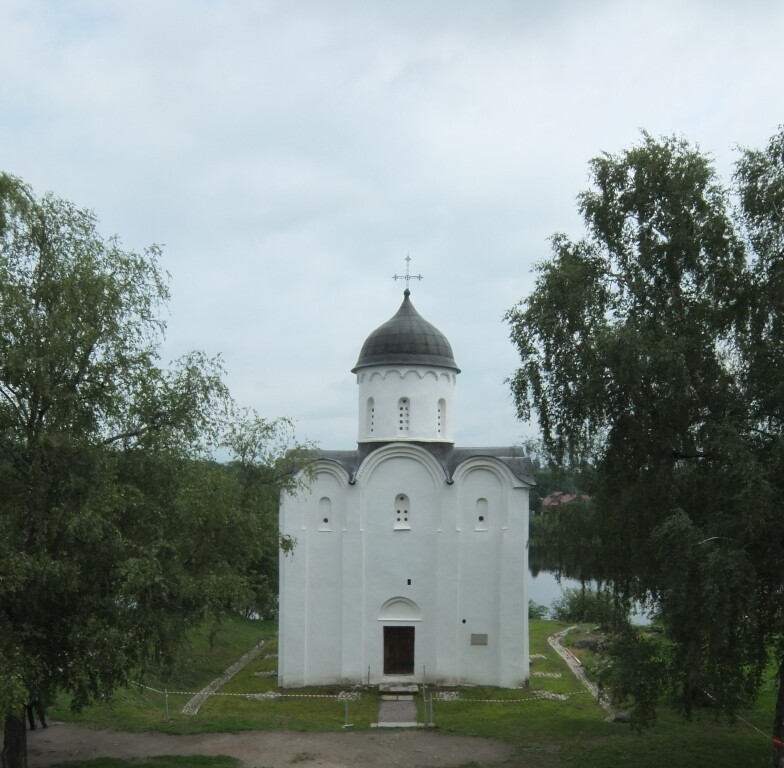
x=411, y=555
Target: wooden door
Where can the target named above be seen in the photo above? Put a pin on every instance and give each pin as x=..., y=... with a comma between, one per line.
x=398, y=650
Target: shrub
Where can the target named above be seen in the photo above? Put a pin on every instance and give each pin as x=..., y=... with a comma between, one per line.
x=537, y=611
x=584, y=605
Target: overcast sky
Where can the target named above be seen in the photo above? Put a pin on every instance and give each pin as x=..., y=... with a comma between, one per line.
x=288, y=155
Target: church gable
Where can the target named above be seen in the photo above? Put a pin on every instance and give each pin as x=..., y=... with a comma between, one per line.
x=412, y=455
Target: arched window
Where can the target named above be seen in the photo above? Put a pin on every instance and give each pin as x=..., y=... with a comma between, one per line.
x=370, y=416
x=441, y=425
x=403, y=415
x=402, y=512
x=481, y=515
x=325, y=514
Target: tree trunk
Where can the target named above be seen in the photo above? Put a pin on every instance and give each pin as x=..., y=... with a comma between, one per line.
x=777, y=761
x=14, y=753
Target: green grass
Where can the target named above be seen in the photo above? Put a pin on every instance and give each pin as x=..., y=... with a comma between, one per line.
x=545, y=734
x=141, y=709
x=551, y=734
x=208, y=651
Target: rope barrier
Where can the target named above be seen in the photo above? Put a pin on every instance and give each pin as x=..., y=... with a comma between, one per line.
x=766, y=735
x=753, y=727
x=354, y=695
x=267, y=694
x=538, y=696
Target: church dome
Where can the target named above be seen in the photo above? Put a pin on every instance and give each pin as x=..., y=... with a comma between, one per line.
x=408, y=339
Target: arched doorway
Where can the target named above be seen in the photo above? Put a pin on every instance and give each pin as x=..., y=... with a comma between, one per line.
x=397, y=616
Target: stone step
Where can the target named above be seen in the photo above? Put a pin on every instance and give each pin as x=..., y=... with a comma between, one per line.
x=398, y=688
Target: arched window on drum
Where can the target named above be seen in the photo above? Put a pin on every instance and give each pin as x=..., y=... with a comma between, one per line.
x=441, y=418
x=370, y=416
x=403, y=415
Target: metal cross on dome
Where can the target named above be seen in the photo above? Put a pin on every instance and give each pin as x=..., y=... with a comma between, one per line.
x=407, y=276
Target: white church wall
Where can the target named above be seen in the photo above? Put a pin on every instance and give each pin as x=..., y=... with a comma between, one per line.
x=493, y=557
x=447, y=617
x=479, y=555
x=513, y=594
x=311, y=605
x=465, y=576
x=322, y=629
x=353, y=665
x=400, y=562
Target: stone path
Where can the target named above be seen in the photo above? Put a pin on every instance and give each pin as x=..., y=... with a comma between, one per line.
x=577, y=668
x=397, y=714
x=193, y=705
x=397, y=708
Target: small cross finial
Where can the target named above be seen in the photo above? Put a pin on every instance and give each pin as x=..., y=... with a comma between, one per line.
x=407, y=276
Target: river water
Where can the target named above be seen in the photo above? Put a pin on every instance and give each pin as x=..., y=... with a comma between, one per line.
x=545, y=587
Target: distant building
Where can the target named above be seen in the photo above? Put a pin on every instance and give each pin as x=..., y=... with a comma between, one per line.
x=559, y=498
x=411, y=557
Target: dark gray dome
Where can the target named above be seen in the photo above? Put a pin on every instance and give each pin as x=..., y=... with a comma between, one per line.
x=406, y=338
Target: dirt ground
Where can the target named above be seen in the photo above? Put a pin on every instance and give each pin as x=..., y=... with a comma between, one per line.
x=270, y=749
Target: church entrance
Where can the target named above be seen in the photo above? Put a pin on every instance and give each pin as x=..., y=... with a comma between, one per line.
x=398, y=650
